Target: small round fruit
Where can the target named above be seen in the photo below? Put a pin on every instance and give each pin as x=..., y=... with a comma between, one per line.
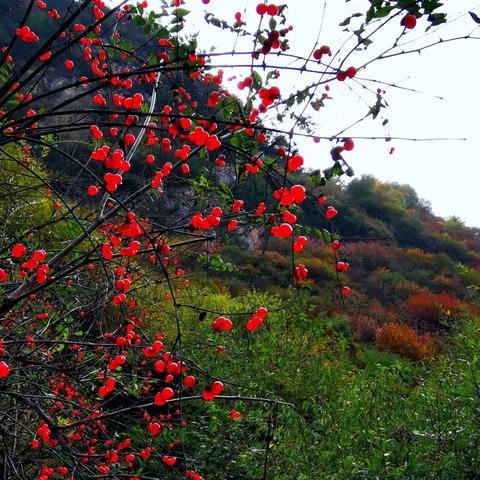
x=261, y=9
x=409, y=21
x=350, y=72
x=348, y=144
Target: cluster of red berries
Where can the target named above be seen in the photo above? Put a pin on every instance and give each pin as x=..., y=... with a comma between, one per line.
x=247, y=82
x=212, y=390
x=117, y=362
x=323, y=50
x=284, y=230
x=107, y=388
x=27, y=35
x=271, y=9
x=350, y=72
x=254, y=166
x=290, y=196
x=300, y=273
x=269, y=95
x=299, y=244
x=162, y=397
x=256, y=320
x=222, y=324
x=205, y=223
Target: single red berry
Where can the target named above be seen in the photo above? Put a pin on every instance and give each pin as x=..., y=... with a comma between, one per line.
x=4, y=370
x=409, y=21
x=18, y=250
x=348, y=144
x=272, y=10
x=92, y=190
x=189, y=381
x=261, y=9
x=350, y=72
x=331, y=212
x=346, y=291
x=217, y=387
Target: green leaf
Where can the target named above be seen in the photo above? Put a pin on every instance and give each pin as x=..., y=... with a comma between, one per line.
x=163, y=33
x=257, y=80
x=324, y=234
x=335, y=171
x=345, y=22
x=181, y=12
x=318, y=180
x=235, y=141
x=437, y=19
x=139, y=20
x=176, y=28
x=383, y=12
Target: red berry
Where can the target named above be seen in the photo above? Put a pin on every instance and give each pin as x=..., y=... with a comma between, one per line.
x=18, y=250
x=272, y=10
x=154, y=429
x=92, y=190
x=262, y=312
x=409, y=21
x=350, y=72
x=348, y=144
x=261, y=9
x=217, y=387
x=346, y=291
x=129, y=139
x=331, y=212
x=4, y=370
x=189, y=381
x=325, y=50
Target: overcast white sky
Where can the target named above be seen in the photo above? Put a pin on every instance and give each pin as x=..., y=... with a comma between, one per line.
x=446, y=173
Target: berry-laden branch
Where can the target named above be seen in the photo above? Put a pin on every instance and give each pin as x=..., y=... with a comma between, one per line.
x=128, y=163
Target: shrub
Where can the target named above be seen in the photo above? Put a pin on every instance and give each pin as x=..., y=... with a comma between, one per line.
x=364, y=327
x=403, y=340
x=428, y=308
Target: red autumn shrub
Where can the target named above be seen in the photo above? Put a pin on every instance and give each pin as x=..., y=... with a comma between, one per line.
x=429, y=308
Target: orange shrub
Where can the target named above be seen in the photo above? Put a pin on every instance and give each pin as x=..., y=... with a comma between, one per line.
x=403, y=340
